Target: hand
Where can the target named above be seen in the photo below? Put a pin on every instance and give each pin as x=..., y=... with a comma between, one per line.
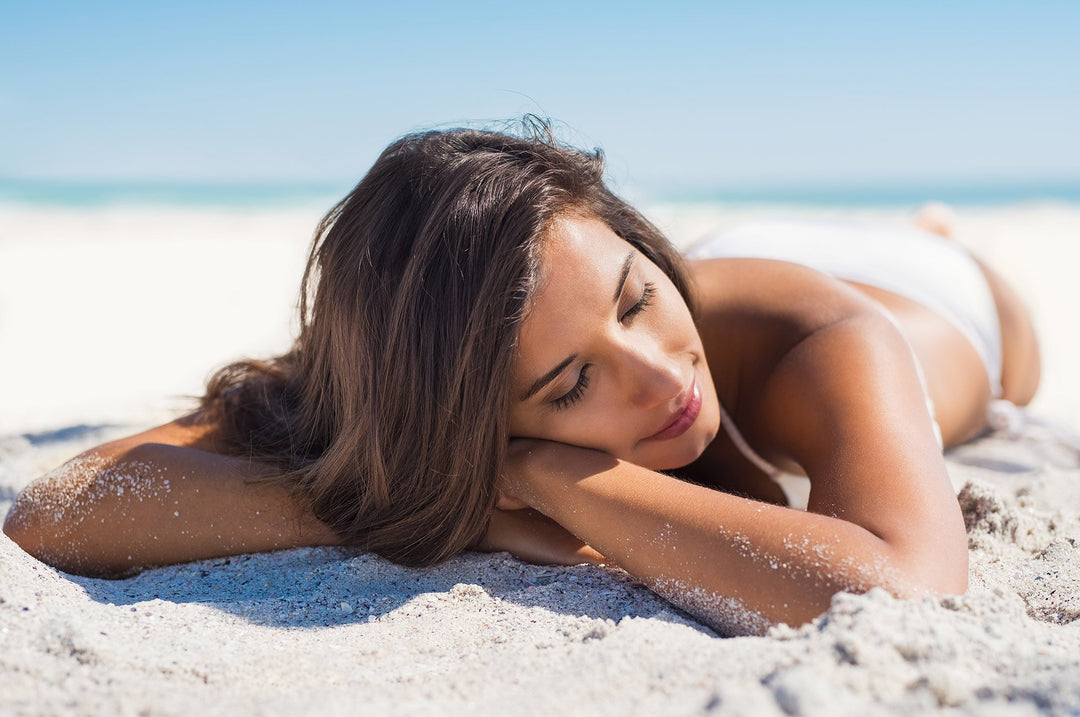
x=533, y=467
x=533, y=537
x=541, y=474
x=514, y=482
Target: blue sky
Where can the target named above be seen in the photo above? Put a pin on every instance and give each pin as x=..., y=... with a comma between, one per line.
x=684, y=95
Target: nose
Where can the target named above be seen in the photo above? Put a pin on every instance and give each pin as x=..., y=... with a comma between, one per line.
x=652, y=375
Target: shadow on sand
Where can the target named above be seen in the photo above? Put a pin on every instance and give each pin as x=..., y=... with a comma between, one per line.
x=69, y=433
x=306, y=587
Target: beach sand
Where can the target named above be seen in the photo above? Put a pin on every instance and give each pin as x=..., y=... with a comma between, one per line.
x=108, y=317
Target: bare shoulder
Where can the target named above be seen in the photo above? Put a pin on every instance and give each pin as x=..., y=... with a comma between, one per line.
x=794, y=346
x=753, y=312
x=769, y=285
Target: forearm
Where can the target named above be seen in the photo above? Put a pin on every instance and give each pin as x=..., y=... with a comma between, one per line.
x=735, y=563
x=109, y=515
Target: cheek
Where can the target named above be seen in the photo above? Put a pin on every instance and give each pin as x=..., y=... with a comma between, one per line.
x=519, y=424
x=591, y=424
x=669, y=313
x=540, y=424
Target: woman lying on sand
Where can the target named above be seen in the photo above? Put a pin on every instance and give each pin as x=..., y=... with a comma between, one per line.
x=497, y=353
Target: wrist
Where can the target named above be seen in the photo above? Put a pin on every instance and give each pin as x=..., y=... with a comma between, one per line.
x=544, y=473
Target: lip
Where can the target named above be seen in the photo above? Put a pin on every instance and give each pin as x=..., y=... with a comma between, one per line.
x=683, y=419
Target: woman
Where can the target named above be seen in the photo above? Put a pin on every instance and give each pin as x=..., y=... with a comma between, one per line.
x=496, y=352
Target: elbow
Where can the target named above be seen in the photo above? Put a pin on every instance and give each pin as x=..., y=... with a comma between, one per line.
x=931, y=562
x=913, y=587
x=954, y=582
x=67, y=518
x=30, y=525
x=948, y=583
x=942, y=570
x=900, y=583
x=908, y=570
x=18, y=527
x=927, y=576
x=25, y=526
x=37, y=540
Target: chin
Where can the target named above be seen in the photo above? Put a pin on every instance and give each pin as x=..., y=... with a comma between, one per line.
x=680, y=456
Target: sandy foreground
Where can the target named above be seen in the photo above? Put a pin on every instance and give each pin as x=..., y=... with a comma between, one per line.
x=108, y=315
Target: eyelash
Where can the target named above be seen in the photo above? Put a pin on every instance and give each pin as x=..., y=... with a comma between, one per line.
x=644, y=302
x=574, y=395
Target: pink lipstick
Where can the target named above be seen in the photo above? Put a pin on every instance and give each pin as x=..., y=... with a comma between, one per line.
x=681, y=421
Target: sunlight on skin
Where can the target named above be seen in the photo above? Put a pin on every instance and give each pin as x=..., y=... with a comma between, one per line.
x=113, y=511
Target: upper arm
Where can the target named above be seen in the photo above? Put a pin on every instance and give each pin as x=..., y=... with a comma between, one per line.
x=136, y=502
x=846, y=403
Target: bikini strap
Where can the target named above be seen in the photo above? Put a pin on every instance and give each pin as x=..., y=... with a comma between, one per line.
x=749, y=453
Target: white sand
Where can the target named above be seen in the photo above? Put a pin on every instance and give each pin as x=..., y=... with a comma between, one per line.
x=107, y=315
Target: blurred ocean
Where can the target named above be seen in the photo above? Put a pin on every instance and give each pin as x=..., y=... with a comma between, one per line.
x=93, y=194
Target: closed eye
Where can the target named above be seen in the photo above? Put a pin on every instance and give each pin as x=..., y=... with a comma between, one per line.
x=644, y=302
x=574, y=395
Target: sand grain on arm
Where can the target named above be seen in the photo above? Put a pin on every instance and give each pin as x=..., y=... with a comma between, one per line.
x=111, y=512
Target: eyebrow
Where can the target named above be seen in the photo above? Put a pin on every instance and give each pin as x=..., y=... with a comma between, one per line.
x=627, y=263
x=548, y=377
x=553, y=373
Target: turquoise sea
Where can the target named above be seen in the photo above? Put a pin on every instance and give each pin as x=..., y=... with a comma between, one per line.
x=90, y=194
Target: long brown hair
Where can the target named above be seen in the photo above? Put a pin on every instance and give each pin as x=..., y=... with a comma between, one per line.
x=390, y=414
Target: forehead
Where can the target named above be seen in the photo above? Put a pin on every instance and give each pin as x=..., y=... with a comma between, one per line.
x=580, y=263
x=578, y=249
